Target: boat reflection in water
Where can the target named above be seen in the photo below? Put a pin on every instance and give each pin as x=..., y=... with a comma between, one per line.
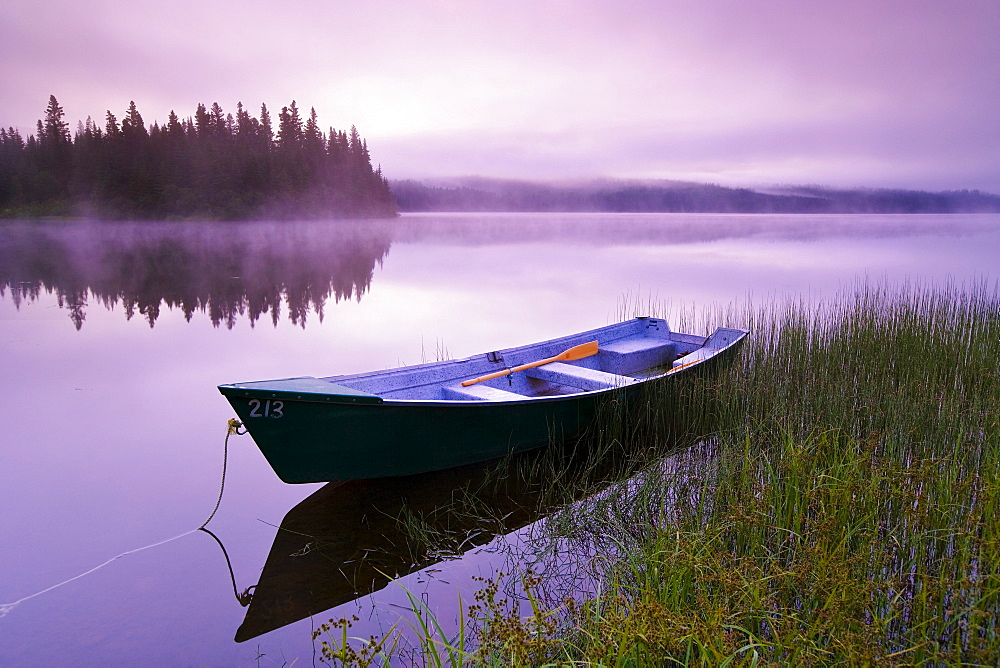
x=348, y=539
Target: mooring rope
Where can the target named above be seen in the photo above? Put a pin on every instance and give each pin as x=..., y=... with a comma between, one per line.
x=7, y=607
x=233, y=427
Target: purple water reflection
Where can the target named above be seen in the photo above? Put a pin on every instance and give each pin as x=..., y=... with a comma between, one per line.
x=113, y=431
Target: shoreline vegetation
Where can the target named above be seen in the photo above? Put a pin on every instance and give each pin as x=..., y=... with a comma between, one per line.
x=834, y=501
x=213, y=166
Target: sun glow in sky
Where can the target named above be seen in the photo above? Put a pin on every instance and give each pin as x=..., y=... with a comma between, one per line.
x=852, y=93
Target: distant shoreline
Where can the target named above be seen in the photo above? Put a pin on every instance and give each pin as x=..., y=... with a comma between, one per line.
x=494, y=195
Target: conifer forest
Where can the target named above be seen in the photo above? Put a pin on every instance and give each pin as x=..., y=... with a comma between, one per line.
x=214, y=165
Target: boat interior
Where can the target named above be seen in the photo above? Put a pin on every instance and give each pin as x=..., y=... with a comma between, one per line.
x=627, y=353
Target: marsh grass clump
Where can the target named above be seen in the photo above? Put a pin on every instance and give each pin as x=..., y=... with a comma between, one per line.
x=813, y=552
x=337, y=647
x=830, y=498
x=842, y=507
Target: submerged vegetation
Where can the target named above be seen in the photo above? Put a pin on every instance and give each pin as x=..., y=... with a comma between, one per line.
x=213, y=165
x=836, y=502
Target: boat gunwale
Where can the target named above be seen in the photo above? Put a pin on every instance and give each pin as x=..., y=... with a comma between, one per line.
x=360, y=401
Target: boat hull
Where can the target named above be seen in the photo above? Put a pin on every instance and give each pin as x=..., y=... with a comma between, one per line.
x=313, y=430
x=322, y=441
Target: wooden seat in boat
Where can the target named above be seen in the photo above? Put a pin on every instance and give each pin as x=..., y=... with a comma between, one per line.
x=479, y=392
x=579, y=377
x=634, y=345
x=634, y=355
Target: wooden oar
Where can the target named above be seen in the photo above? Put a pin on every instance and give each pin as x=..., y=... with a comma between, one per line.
x=569, y=355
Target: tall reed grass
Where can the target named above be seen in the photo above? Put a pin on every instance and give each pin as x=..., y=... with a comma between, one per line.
x=837, y=502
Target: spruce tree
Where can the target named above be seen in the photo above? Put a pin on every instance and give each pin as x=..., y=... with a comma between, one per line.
x=111, y=128
x=313, y=137
x=173, y=127
x=133, y=126
x=267, y=130
x=55, y=130
x=202, y=121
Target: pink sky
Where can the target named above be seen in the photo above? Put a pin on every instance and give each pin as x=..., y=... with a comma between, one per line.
x=852, y=93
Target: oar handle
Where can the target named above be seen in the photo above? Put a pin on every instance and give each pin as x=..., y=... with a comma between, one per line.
x=490, y=376
x=507, y=372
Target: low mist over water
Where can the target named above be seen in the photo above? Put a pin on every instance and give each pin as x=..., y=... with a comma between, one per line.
x=254, y=270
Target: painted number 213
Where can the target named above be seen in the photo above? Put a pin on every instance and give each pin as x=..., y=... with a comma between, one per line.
x=267, y=409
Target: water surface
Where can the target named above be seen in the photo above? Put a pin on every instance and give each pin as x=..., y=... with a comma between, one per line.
x=113, y=337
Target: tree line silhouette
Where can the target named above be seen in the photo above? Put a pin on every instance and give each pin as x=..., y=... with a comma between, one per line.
x=212, y=165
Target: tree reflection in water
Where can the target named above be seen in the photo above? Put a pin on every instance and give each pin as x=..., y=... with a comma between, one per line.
x=226, y=270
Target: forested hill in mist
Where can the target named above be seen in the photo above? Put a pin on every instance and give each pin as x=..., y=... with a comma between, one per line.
x=213, y=165
x=477, y=194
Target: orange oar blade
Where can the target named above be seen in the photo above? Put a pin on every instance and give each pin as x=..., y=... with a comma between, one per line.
x=574, y=353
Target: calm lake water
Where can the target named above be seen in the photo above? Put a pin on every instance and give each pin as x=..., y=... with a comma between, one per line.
x=113, y=337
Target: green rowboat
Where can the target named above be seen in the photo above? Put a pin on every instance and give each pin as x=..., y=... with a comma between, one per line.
x=441, y=415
